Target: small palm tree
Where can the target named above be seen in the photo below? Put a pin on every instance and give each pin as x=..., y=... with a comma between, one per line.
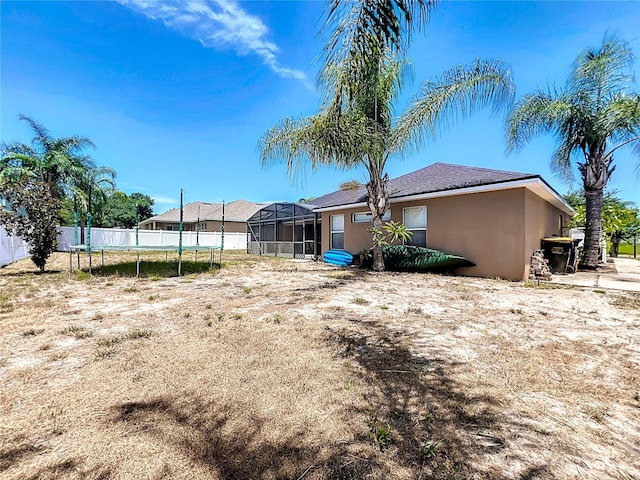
x=45, y=173
x=57, y=162
x=592, y=117
x=364, y=132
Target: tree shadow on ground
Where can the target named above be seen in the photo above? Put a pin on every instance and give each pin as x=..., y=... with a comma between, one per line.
x=207, y=434
x=152, y=268
x=24, y=452
x=13, y=454
x=439, y=428
x=70, y=468
x=29, y=273
x=436, y=428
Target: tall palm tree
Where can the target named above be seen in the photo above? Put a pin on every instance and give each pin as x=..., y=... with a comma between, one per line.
x=364, y=132
x=592, y=117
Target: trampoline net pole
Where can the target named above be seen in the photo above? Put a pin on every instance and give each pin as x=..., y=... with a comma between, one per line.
x=89, y=239
x=180, y=234
x=76, y=240
x=75, y=223
x=89, y=226
x=222, y=234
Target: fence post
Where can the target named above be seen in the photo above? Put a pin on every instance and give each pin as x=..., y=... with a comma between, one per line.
x=13, y=250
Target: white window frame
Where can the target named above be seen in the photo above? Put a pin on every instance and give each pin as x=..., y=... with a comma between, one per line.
x=420, y=229
x=368, y=217
x=332, y=231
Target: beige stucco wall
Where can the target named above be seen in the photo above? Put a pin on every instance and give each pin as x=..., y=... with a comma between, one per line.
x=487, y=228
x=548, y=225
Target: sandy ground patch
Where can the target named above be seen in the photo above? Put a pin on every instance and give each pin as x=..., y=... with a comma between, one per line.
x=273, y=369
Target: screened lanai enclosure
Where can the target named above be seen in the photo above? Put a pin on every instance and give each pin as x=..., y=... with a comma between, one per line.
x=285, y=229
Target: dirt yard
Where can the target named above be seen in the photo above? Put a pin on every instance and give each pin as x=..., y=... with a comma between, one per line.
x=277, y=369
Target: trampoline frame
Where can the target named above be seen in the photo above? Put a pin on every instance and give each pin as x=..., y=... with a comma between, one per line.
x=142, y=248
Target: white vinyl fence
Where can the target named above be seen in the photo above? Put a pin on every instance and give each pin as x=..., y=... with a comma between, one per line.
x=154, y=238
x=12, y=248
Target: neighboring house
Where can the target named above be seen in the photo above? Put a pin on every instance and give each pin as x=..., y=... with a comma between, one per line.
x=494, y=218
x=205, y=217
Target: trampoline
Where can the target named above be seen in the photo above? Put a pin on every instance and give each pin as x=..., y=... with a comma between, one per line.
x=89, y=247
x=143, y=248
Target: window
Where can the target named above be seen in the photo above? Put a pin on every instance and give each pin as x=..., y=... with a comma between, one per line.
x=366, y=217
x=337, y=232
x=203, y=227
x=415, y=218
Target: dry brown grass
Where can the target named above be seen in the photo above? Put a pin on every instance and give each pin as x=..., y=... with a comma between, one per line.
x=274, y=369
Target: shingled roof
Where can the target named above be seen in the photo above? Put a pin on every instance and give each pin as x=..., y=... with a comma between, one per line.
x=236, y=211
x=439, y=177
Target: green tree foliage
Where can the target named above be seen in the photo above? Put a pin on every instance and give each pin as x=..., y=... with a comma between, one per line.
x=124, y=211
x=391, y=232
x=595, y=114
x=117, y=210
x=575, y=198
x=59, y=163
x=54, y=173
x=32, y=215
x=620, y=219
x=356, y=125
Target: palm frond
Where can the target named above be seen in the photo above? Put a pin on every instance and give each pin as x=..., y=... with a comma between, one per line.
x=458, y=93
x=561, y=160
x=534, y=114
x=601, y=71
x=59, y=162
x=321, y=140
x=350, y=185
x=360, y=32
x=620, y=117
x=42, y=136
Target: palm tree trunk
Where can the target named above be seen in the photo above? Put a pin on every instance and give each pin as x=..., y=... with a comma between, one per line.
x=378, y=259
x=593, y=229
x=378, y=201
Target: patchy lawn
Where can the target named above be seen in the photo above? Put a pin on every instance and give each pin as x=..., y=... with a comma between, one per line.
x=275, y=369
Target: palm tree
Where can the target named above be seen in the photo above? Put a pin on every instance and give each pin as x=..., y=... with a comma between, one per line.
x=364, y=132
x=93, y=188
x=57, y=162
x=360, y=32
x=592, y=117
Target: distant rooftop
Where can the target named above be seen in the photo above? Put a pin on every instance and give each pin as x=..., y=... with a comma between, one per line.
x=236, y=211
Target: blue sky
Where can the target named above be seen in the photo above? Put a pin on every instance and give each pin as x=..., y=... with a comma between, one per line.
x=177, y=94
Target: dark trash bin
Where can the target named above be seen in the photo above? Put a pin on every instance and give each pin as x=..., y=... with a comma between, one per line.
x=560, y=251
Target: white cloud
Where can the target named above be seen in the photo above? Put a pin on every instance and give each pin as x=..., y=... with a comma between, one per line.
x=164, y=200
x=216, y=24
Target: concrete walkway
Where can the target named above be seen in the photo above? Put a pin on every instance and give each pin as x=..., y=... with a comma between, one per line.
x=627, y=278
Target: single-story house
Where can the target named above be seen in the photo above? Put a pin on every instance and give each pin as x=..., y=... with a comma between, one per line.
x=494, y=218
x=205, y=217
